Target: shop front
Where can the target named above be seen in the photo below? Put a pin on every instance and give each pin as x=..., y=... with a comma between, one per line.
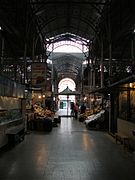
x=12, y=108
x=123, y=108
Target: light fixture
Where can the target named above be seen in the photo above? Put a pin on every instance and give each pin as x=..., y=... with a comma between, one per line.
x=39, y=96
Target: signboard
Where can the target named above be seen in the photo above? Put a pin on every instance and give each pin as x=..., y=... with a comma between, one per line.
x=38, y=74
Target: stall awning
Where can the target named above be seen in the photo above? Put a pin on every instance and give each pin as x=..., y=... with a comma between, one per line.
x=68, y=91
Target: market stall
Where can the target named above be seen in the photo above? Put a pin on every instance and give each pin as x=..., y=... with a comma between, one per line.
x=42, y=119
x=12, y=111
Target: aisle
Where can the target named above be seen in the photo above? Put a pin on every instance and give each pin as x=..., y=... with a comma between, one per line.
x=64, y=112
x=69, y=152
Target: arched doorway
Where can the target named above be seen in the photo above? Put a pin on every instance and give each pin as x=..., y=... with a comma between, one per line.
x=65, y=100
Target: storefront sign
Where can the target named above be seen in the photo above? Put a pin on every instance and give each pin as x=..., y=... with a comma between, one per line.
x=38, y=74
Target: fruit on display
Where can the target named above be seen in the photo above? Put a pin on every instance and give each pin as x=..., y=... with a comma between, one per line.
x=40, y=111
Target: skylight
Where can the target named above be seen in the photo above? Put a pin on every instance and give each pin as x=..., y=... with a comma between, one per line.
x=67, y=43
x=68, y=49
x=67, y=46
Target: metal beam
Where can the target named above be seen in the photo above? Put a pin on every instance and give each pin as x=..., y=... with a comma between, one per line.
x=65, y=2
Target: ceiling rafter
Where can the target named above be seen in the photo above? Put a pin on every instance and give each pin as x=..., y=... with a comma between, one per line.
x=55, y=19
x=42, y=2
x=41, y=9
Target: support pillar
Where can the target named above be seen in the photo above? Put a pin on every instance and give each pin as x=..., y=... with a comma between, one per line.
x=25, y=64
x=2, y=50
x=132, y=54
x=102, y=65
x=110, y=47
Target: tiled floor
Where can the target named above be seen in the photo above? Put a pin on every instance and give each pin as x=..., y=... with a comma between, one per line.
x=69, y=152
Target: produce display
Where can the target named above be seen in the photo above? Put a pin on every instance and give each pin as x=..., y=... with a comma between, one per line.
x=39, y=111
x=84, y=116
x=40, y=119
x=98, y=121
x=88, y=113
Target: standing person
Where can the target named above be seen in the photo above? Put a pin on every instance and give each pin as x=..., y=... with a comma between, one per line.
x=82, y=109
x=72, y=108
x=76, y=109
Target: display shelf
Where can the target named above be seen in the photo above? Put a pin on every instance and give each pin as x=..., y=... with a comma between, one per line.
x=7, y=116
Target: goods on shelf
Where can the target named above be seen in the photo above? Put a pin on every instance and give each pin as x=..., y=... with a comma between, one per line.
x=39, y=111
x=98, y=120
x=42, y=119
x=84, y=116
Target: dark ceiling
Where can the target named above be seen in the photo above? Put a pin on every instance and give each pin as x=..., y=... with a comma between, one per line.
x=59, y=16
x=27, y=25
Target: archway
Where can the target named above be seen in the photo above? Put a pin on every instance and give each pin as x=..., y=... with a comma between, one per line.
x=64, y=103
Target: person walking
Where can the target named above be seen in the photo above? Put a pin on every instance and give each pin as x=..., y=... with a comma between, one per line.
x=76, y=110
x=72, y=108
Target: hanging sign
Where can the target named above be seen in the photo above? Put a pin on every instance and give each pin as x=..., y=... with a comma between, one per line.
x=38, y=74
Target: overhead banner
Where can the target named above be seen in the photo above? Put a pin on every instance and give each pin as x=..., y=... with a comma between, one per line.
x=38, y=74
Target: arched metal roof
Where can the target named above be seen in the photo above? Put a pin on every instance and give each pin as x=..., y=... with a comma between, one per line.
x=26, y=21
x=71, y=20
x=67, y=65
x=75, y=16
